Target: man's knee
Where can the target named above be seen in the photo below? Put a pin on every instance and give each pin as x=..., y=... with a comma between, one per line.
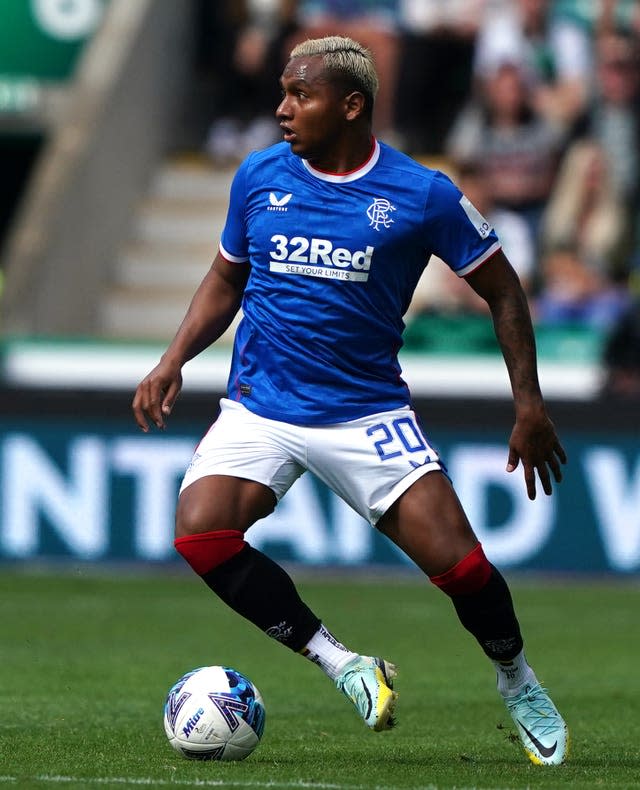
x=196, y=514
x=466, y=577
x=218, y=502
x=212, y=516
x=205, y=551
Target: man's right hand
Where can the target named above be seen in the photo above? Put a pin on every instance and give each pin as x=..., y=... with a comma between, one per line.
x=156, y=394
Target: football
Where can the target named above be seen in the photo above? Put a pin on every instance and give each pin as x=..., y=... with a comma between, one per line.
x=214, y=713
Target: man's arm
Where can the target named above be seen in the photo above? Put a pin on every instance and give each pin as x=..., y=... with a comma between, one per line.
x=533, y=439
x=212, y=309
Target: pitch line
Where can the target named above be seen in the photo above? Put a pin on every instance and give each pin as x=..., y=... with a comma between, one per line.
x=150, y=782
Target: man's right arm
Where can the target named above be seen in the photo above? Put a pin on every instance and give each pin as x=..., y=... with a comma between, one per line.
x=533, y=440
x=212, y=309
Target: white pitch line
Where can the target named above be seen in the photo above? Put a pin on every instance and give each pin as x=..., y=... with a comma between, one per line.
x=150, y=782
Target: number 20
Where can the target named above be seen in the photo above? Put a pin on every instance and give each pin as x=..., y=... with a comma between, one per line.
x=405, y=430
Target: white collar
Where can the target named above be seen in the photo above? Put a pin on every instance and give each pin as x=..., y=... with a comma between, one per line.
x=352, y=175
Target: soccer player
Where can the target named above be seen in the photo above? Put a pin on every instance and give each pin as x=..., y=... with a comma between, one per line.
x=326, y=236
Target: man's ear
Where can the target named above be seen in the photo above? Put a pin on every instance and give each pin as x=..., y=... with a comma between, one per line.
x=354, y=105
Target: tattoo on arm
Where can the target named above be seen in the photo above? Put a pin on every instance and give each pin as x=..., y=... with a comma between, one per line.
x=514, y=331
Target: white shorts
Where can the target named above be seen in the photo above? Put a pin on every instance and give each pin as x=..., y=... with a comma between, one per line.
x=367, y=462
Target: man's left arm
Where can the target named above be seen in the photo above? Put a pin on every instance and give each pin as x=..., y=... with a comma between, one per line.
x=533, y=440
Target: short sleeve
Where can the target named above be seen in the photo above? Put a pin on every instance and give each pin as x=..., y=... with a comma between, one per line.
x=233, y=241
x=455, y=230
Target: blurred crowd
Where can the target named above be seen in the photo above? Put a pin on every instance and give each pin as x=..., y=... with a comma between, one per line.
x=531, y=106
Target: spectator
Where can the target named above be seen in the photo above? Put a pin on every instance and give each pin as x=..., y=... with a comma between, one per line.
x=586, y=212
x=622, y=357
x=613, y=117
x=375, y=24
x=246, y=39
x=595, y=16
x=610, y=14
x=440, y=290
x=513, y=231
x=516, y=148
x=435, y=70
x=572, y=292
x=555, y=48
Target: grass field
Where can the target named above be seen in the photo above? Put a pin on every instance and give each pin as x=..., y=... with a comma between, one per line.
x=86, y=660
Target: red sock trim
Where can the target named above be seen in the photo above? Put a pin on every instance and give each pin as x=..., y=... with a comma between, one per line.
x=467, y=576
x=206, y=550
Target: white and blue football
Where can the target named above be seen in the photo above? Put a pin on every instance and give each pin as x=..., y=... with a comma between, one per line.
x=214, y=713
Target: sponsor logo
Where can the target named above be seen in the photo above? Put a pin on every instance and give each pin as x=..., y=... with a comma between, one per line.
x=500, y=646
x=191, y=722
x=330, y=638
x=378, y=213
x=280, y=632
x=319, y=258
x=475, y=218
x=427, y=460
x=278, y=204
x=545, y=751
x=369, y=700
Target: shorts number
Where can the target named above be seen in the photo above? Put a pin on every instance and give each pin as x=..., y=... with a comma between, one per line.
x=403, y=430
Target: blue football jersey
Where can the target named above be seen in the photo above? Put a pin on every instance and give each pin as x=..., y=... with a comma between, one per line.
x=335, y=259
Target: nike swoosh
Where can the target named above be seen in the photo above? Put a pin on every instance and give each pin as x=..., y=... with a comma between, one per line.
x=366, y=691
x=545, y=751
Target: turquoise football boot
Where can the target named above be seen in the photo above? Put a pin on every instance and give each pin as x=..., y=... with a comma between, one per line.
x=541, y=728
x=368, y=683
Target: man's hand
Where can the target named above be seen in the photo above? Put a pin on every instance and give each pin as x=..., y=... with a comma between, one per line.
x=212, y=309
x=534, y=442
x=533, y=439
x=156, y=395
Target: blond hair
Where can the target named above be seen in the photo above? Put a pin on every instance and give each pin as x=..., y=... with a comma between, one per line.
x=346, y=59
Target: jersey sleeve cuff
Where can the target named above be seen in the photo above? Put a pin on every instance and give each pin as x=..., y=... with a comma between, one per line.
x=486, y=255
x=232, y=258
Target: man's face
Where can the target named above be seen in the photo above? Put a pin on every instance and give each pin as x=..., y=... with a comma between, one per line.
x=312, y=111
x=617, y=69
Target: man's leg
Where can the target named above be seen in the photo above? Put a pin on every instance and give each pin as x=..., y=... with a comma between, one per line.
x=212, y=516
x=428, y=523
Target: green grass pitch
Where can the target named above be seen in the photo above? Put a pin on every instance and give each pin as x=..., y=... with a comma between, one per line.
x=86, y=659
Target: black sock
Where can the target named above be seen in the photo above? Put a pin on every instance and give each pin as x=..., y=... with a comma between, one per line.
x=261, y=591
x=489, y=615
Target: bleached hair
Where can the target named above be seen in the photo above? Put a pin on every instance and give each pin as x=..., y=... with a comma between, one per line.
x=345, y=58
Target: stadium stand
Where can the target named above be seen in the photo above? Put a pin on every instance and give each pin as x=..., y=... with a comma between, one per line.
x=121, y=115
x=123, y=206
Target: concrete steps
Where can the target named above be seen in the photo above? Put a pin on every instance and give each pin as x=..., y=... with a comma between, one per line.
x=174, y=239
